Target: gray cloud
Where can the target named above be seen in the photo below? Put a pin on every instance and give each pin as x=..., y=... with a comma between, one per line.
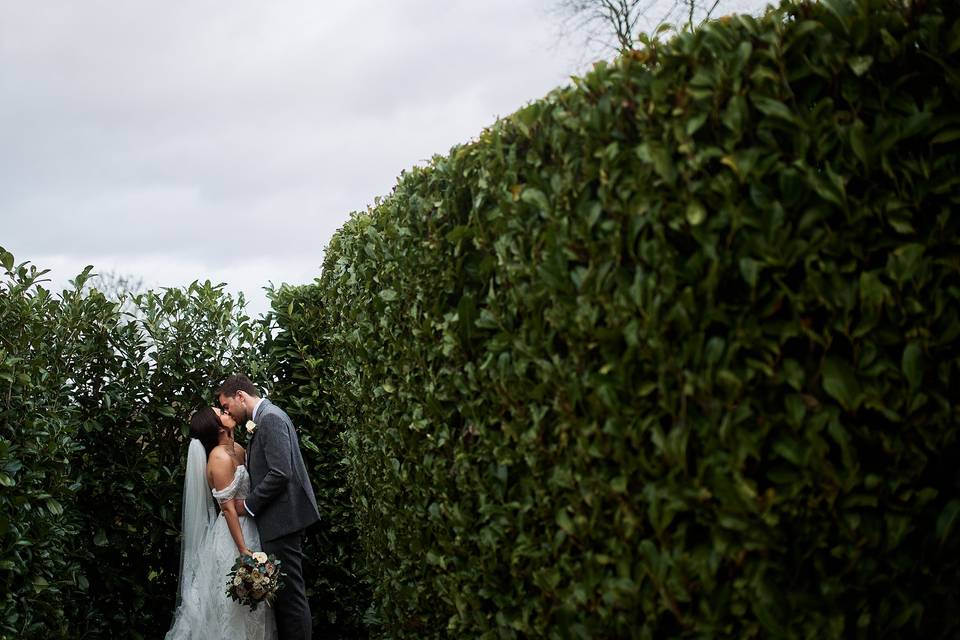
x=167, y=140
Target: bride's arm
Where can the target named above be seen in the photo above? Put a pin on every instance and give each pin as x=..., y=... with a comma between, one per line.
x=222, y=469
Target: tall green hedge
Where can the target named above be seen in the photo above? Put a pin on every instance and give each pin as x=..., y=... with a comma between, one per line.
x=94, y=408
x=672, y=352
x=40, y=344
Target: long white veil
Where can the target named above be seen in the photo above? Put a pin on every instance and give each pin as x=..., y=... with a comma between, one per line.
x=198, y=513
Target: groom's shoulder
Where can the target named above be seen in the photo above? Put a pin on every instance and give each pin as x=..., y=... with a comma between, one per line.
x=271, y=408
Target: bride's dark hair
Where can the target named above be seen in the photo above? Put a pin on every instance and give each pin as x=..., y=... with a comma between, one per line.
x=205, y=427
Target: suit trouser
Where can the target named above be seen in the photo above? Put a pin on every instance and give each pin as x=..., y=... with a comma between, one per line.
x=291, y=607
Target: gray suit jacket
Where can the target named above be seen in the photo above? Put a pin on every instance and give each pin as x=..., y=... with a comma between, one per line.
x=281, y=497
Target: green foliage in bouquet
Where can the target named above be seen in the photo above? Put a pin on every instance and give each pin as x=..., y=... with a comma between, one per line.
x=672, y=352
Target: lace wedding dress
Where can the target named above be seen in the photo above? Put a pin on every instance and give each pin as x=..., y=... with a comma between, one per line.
x=205, y=611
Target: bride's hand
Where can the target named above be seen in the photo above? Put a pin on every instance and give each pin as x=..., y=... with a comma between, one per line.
x=244, y=551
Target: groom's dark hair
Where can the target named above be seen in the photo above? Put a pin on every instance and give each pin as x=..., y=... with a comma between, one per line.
x=237, y=382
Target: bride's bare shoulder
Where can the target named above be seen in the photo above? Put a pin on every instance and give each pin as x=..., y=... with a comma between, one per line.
x=220, y=468
x=218, y=455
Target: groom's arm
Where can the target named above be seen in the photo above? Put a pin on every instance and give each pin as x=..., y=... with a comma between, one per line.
x=276, y=446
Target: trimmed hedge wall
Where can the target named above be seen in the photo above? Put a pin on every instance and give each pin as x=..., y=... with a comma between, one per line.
x=674, y=351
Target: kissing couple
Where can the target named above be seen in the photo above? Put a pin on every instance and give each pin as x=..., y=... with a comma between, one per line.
x=265, y=503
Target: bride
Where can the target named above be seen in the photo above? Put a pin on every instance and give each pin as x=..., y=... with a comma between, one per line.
x=211, y=542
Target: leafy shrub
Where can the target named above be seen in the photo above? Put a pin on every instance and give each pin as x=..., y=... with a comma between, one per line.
x=93, y=422
x=672, y=352
x=41, y=341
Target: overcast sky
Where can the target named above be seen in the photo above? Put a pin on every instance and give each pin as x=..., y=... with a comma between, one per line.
x=175, y=141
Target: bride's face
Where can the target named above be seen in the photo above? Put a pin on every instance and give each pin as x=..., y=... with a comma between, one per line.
x=225, y=419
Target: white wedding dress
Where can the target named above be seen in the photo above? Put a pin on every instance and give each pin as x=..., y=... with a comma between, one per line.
x=206, y=612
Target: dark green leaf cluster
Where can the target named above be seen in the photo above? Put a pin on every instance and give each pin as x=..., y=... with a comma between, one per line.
x=672, y=352
x=41, y=341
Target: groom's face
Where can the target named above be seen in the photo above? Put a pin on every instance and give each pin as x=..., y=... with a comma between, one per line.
x=235, y=407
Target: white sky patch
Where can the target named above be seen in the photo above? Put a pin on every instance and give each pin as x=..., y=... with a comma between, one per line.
x=247, y=276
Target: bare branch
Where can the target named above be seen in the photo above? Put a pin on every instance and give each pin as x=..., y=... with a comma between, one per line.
x=711, y=10
x=618, y=23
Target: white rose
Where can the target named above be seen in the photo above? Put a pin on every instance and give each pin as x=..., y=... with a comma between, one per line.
x=237, y=581
x=251, y=427
x=260, y=557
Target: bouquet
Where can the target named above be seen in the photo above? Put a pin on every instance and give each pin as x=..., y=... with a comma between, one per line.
x=254, y=579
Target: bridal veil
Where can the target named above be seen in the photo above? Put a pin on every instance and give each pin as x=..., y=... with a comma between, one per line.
x=198, y=513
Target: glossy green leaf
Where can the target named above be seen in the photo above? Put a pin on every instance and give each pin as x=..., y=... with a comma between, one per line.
x=840, y=382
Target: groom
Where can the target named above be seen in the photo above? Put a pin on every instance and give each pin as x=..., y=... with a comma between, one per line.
x=281, y=499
